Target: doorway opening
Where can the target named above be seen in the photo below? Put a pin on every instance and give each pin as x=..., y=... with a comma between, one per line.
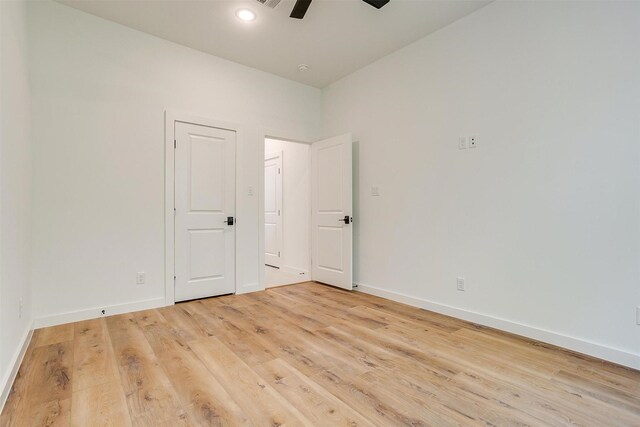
x=287, y=207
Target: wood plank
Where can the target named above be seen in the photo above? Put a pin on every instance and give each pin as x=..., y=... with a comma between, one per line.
x=202, y=396
x=422, y=401
x=291, y=312
x=403, y=354
x=52, y=413
x=263, y=405
x=50, y=374
x=306, y=339
x=378, y=405
x=300, y=347
x=217, y=321
x=309, y=295
x=53, y=335
x=149, y=394
x=94, y=362
x=182, y=321
x=100, y=406
x=318, y=405
x=17, y=401
x=548, y=411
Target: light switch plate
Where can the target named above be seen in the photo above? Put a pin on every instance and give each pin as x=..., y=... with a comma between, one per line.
x=375, y=191
x=462, y=143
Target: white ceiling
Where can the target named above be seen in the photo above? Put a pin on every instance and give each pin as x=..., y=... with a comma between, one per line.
x=335, y=38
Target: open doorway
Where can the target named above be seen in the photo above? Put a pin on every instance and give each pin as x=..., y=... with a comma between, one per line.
x=287, y=206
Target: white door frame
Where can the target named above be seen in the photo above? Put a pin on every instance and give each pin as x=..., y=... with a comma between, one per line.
x=172, y=116
x=282, y=136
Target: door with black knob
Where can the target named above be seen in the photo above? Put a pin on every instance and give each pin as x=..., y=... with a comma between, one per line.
x=205, y=159
x=331, y=210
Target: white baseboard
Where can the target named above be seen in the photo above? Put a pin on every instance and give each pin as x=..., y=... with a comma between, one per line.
x=249, y=287
x=600, y=351
x=93, y=313
x=303, y=274
x=14, y=365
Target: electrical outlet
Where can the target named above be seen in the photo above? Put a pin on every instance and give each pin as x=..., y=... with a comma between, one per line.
x=250, y=190
x=473, y=141
x=20, y=308
x=140, y=278
x=460, y=283
x=462, y=143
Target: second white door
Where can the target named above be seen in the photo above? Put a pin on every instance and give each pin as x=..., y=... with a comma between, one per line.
x=273, y=209
x=205, y=160
x=331, y=210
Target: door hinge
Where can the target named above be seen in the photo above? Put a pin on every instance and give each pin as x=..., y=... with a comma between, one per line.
x=278, y=254
x=175, y=212
x=278, y=212
x=174, y=278
x=278, y=170
x=175, y=144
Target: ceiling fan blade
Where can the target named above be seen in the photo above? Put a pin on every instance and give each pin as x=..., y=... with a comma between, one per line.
x=376, y=3
x=300, y=8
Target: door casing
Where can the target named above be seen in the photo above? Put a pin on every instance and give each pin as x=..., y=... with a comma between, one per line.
x=290, y=137
x=294, y=137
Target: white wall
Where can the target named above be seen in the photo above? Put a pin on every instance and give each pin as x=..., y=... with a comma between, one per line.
x=99, y=95
x=15, y=189
x=543, y=218
x=296, y=203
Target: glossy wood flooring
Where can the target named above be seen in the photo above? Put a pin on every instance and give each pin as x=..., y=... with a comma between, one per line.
x=308, y=355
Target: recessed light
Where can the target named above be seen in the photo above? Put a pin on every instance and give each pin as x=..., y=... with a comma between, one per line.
x=303, y=68
x=246, y=15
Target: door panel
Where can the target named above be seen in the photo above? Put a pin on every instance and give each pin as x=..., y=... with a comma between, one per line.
x=273, y=209
x=330, y=197
x=331, y=190
x=207, y=257
x=206, y=158
x=330, y=244
x=204, y=198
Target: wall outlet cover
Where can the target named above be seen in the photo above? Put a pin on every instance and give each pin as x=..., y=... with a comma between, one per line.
x=473, y=141
x=140, y=278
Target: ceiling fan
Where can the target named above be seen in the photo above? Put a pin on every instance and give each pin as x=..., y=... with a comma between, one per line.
x=301, y=6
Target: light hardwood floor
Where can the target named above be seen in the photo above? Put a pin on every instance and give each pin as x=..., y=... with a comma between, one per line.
x=308, y=354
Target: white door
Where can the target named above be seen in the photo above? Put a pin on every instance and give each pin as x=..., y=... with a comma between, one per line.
x=273, y=209
x=331, y=210
x=205, y=160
